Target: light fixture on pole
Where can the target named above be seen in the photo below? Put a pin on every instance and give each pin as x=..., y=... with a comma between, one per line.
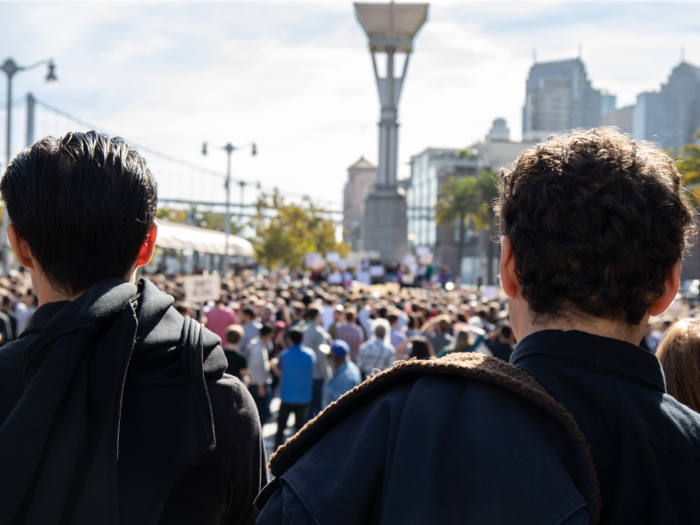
x=391, y=29
x=229, y=148
x=11, y=68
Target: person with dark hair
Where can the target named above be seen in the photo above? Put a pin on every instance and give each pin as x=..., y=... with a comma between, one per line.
x=396, y=335
x=220, y=317
x=420, y=348
x=251, y=329
x=295, y=368
x=578, y=428
x=501, y=343
x=110, y=399
x=237, y=362
x=351, y=333
x=318, y=340
x=6, y=308
x=259, y=370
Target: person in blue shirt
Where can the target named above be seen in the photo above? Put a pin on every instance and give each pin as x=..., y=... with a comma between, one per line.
x=346, y=377
x=295, y=368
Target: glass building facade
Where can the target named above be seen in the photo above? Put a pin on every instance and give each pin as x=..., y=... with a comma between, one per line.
x=428, y=170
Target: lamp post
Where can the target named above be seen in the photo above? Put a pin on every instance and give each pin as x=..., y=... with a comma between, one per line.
x=229, y=148
x=390, y=30
x=11, y=68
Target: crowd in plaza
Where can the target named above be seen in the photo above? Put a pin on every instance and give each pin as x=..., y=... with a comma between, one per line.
x=121, y=401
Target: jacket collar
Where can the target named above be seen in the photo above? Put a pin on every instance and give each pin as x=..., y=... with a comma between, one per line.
x=598, y=354
x=42, y=315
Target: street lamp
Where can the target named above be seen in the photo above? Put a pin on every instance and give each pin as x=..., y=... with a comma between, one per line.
x=229, y=148
x=10, y=68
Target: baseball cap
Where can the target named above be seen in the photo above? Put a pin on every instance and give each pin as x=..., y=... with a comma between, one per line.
x=340, y=348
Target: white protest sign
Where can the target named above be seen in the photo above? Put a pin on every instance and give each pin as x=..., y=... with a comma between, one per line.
x=202, y=288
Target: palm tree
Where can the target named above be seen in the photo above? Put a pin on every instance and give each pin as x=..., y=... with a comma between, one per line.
x=489, y=183
x=460, y=197
x=688, y=163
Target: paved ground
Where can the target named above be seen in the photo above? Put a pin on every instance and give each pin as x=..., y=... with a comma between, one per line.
x=270, y=428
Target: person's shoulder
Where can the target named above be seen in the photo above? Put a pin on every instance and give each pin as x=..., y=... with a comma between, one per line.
x=396, y=404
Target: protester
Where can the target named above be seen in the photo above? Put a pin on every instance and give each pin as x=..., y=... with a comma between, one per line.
x=351, y=333
x=501, y=343
x=679, y=354
x=7, y=310
x=437, y=330
x=396, y=336
x=346, y=376
x=237, y=362
x=251, y=329
x=593, y=228
x=420, y=348
x=110, y=399
x=259, y=371
x=220, y=317
x=376, y=353
x=295, y=368
x=314, y=338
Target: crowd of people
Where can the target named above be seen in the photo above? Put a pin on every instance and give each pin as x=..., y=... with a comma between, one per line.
x=344, y=334
x=116, y=405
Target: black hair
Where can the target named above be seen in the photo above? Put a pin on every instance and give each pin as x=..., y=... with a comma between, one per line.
x=84, y=203
x=312, y=313
x=249, y=312
x=266, y=329
x=296, y=336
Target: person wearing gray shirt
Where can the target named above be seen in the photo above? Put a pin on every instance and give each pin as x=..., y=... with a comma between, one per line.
x=314, y=337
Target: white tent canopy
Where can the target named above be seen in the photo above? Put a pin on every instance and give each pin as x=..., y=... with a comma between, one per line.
x=175, y=236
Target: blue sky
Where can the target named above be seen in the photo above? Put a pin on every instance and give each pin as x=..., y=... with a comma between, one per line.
x=297, y=77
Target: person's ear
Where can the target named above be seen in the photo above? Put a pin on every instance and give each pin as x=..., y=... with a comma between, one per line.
x=509, y=279
x=23, y=252
x=671, y=285
x=148, y=246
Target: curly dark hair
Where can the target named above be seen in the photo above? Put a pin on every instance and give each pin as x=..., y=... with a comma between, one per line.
x=596, y=221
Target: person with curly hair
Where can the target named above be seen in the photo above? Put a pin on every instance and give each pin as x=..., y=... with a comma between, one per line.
x=578, y=427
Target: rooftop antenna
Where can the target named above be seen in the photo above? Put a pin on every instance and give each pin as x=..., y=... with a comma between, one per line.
x=534, y=55
x=580, y=50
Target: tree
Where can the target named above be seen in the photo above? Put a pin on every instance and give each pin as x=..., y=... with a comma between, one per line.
x=488, y=181
x=460, y=198
x=286, y=232
x=468, y=197
x=688, y=163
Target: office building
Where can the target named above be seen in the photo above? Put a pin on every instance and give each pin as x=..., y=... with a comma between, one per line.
x=670, y=116
x=432, y=168
x=559, y=97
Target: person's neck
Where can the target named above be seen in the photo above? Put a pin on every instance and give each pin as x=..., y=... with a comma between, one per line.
x=525, y=323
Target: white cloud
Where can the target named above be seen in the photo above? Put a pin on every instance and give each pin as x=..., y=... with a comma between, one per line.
x=297, y=77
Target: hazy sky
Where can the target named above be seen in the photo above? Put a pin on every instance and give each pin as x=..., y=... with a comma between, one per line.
x=297, y=77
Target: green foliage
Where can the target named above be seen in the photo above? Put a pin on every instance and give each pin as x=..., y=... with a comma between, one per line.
x=468, y=196
x=286, y=232
x=688, y=163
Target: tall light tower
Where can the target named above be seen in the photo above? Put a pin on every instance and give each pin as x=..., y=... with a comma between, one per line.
x=390, y=29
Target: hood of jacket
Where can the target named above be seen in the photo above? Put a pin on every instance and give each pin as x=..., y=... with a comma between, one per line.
x=60, y=454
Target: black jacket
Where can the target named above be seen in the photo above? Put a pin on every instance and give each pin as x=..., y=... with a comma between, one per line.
x=645, y=444
x=462, y=439
x=115, y=409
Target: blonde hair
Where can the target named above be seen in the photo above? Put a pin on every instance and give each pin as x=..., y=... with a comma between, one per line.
x=679, y=354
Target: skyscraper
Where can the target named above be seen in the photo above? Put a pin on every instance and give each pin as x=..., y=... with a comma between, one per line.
x=559, y=97
x=670, y=116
